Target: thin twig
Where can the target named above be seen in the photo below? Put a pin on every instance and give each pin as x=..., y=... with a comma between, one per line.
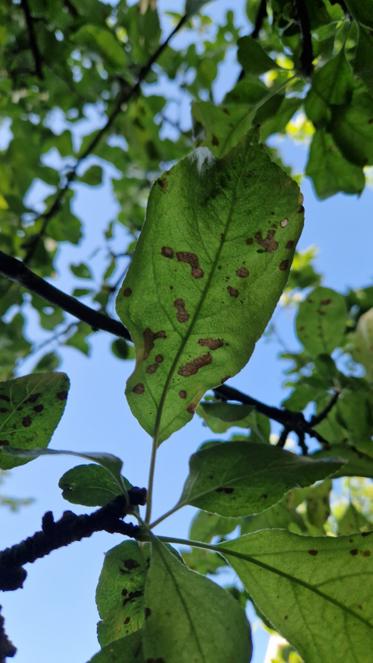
x=66, y=530
x=126, y=94
x=32, y=39
x=306, y=56
x=259, y=19
x=16, y=270
x=318, y=418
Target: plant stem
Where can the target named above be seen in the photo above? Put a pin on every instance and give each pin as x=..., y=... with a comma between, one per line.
x=166, y=515
x=153, y=457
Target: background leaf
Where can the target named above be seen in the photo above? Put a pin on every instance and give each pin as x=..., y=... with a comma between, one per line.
x=315, y=591
x=30, y=409
x=194, y=317
x=321, y=321
x=90, y=485
x=126, y=649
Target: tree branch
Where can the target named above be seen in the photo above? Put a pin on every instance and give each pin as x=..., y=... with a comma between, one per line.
x=306, y=56
x=126, y=94
x=7, y=649
x=66, y=530
x=318, y=418
x=16, y=270
x=259, y=19
x=32, y=39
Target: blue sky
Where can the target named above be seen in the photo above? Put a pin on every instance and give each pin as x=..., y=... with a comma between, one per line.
x=54, y=616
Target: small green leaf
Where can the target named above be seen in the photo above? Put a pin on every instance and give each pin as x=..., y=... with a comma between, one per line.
x=363, y=57
x=253, y=57
x=120, y=592
x=189, y=618
x=222, y=416
x=352, y=129
x=92, y=176
x=333, y=83
x=81, y=270
x=353, y=521
x=362, y=349
x=241, y=478
x=193, y=6
x=91, y=485
x=356, y=464
x=205, y=526
x=30, y=409
x=320, y=589
x=321, y=321
x=362, y=11
x=217, y=245
x=329, y=170
x=125, y=650
x=102, y=40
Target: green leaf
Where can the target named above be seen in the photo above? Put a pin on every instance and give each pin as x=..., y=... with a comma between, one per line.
x=111, y=463
x=190, y=618
x=91, y=485
x=249, y=220
x=363, y=57
x=205, y=526
x=253, y=57
x=240, y=478
x=127, y=649
x=222, y=416
x=362, y=11
x=120, y=592
x=329, y=170
x=363, y=342
x=193, y=6
x=81, y=270
x=333, y=83
x=352, y=129
x=92, y=176
x=353, y=521
x=30, y=409
x=315, y=591
x=101, y=40
x=321, y=321
x=356, y=464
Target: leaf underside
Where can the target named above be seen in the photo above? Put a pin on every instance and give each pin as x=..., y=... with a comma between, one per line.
x=210, y=265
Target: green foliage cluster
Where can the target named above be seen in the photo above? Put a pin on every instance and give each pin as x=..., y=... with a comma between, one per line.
x=195, y=286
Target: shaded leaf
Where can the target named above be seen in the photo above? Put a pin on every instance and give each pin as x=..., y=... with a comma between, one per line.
x=329, y=170
x=91, y=485
x=222, y=416
x=127, y=649
x=356, y=464
x=245, y=239
x=92, y=176
x=321, y=321
x=30, y=409
x=362, y=11
x=320, y=589
x=190, y=619
x=352, y=129
x=120, y=592
x=237, y=478
x=253, y=57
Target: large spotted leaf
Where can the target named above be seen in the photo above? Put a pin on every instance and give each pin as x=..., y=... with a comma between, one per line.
x=210, y=265
x=30, y=409
x=315, y=591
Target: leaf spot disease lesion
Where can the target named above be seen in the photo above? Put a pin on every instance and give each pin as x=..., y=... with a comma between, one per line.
x=3, y=397
x=33, y=398
x=284, y=223
x=147, y=612
x=233, y=292
x=225, y=489
x=211, y=343
x=38, y=408
x=127, y=292
x=138, y=388
x=182, y=314
x=182, y=393
x=163, y=183
x=167, y=252
x=4, y=443
x=192, y=367
x=313, y=552
x=62, y=395
x=242, y=272
x=268, y=243
x=284, y=264
x=290, y=244
x=26, y=421
x=192, y=260
x=149, y=337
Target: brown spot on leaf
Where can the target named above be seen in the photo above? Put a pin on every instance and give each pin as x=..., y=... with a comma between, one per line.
x=62, y=395
x=147, y=612
x=4, y=398
x=193, y=366
x=182, y=393
x=159, y=359
x=167, y=252
x=163, y=183
x=290, y=244
x=211, y=343
x=191, y=408
x=149, y=338
x=268, y=243
x=38, y=408
x=26, y=421
x=325, y=302
x=152, y=368
x=192, y=260
x=284, y=223
x=127, y=620
x=138, y=388
x=249, y=241
x=224, y=489
x=313, y=552
x=264, y=496
x=366, y=553
x=284, y=264
x=354, y=552
x=127, y=292
x=132, y=596
x=215, y=140
x=242, y=272
x=4, y=409
x=182, y=314
x=4, y=443
x=33, y=398
x=233, y=292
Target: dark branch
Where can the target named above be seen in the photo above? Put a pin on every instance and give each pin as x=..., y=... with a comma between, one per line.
x=126, y=94
x=7, y=649
x=32, y=39
x=259, y=19
x=318, y=418
x=16, y=270
x=68, y=529
x=306, y=56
